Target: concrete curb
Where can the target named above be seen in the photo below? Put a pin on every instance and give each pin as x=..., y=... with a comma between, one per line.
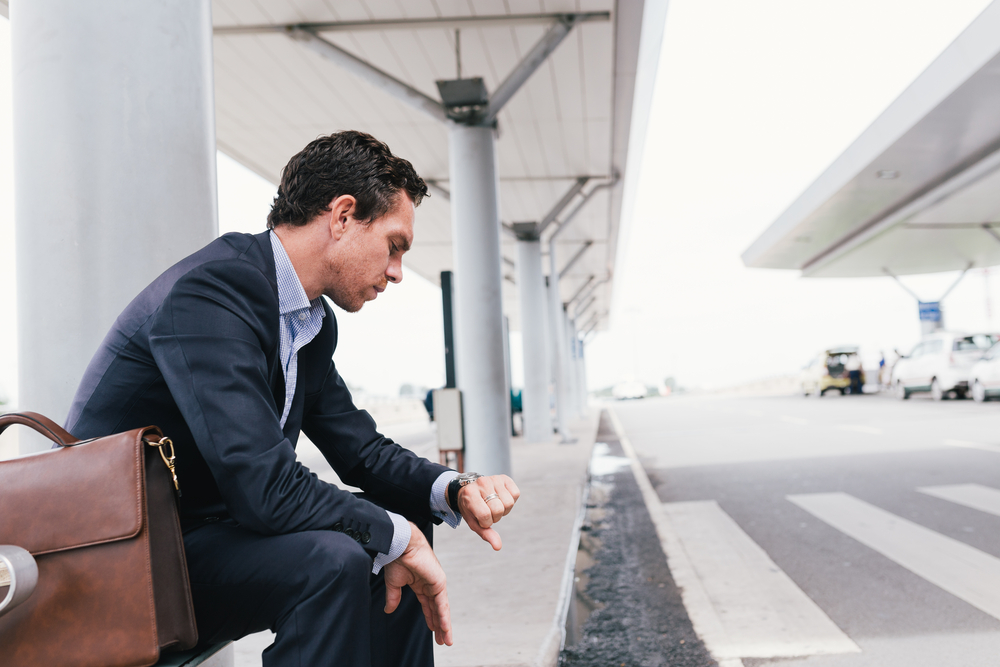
x=555, y=641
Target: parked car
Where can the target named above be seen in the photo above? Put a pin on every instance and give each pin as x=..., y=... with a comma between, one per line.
x=940, y=364
x=984, y=378
x=830, y=370
x=629, y=389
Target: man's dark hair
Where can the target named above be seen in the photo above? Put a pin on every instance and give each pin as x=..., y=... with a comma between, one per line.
x=344, y=163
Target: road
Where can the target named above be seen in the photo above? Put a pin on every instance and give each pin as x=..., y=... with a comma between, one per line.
x=842, y=531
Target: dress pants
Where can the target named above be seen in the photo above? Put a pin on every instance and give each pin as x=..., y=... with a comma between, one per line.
x=314, y=589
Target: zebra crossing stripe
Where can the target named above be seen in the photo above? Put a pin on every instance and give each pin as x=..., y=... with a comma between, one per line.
x=965, y=572
x=976, y=496
x=758, y=610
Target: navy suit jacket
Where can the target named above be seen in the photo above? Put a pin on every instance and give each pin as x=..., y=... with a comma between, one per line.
x=197, y=354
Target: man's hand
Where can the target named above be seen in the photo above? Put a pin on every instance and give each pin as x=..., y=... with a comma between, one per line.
x=419, y=569
x=481, y=514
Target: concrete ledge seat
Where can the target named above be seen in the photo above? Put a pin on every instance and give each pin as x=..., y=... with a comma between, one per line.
x=213, y=655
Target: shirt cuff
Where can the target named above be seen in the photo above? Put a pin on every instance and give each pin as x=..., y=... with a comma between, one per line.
x=400, y=538
x=439, y=500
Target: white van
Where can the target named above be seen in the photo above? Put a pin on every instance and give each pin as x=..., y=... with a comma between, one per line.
x=984, y=379
x=940, y=364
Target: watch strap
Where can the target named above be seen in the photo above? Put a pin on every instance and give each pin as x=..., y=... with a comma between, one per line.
x=456, y=484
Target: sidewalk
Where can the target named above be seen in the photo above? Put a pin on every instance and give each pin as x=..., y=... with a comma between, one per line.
x=505, y=604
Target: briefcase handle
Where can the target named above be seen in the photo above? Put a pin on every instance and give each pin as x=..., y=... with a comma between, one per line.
x=43, y=425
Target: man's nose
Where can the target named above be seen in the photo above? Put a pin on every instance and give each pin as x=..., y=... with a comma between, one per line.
x=394, y=274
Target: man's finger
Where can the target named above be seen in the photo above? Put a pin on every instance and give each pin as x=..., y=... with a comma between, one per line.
x=511, y=488
x=489, y=535
x=481, y=512
x=443, y=633
x=392, y=595
x=496, y=507
x=504, y=496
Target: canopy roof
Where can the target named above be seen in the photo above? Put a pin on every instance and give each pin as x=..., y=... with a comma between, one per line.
x=571, y=120
x=919, y=190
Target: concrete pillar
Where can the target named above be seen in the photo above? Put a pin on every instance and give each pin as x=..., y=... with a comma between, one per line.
x=557, y=317
x=582, y=375
x=580, y=382
x=114, y=156
x=479, y=366
x=531, y=291
x=571, y=365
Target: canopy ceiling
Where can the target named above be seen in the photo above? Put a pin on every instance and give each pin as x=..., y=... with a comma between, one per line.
x=571, y=119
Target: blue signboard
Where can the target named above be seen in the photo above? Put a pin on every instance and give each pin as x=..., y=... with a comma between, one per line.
x=930, y=311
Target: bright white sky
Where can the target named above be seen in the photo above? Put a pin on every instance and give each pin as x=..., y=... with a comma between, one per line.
x=752, y=102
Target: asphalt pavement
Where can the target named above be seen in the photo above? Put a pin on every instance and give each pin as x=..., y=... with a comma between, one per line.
x=842, y=531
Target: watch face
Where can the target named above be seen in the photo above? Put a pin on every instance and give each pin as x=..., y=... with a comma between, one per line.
x=468, y=478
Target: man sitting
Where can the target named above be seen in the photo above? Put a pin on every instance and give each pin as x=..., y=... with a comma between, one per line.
x=230, y=352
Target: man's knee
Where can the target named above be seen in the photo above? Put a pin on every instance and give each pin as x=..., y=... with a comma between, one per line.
x=325, y=556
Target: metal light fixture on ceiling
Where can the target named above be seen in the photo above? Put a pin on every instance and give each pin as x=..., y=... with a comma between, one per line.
x=887, y=174
x=463, y=98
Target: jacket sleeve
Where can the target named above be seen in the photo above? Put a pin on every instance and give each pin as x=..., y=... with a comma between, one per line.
x=395, y=477
x=209, y=339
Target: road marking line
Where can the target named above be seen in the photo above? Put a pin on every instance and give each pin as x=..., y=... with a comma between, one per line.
x=761, y=611
x=704, y=617
x=860, y=428
x=978, y=497
x=963, y=571
x=967, y=444
x=793, y=420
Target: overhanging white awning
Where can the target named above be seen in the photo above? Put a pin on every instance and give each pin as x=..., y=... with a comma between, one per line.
x=571, y=119
x=919, y=190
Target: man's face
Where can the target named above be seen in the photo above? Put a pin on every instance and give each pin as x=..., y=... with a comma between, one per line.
x=369, y=256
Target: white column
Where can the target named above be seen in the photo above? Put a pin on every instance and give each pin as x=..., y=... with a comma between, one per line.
x=582, y=366
x=579, y=376
x=573, y=380
x=114, y=159
x=479, y=362
x=559, y=349
x=531, y=291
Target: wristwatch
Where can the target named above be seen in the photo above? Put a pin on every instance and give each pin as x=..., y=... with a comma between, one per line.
x=454, y=485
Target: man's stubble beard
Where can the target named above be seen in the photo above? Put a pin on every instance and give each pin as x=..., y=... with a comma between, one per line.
x=348, y=305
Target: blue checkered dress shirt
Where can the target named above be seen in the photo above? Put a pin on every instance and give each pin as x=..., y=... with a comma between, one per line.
x=301, y=321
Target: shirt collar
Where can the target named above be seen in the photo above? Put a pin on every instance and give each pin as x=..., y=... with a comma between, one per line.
x=291, y=295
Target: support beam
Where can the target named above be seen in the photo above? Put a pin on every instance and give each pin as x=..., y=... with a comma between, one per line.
x=579, y=207
x=580, y=290
x=373, y=75
x=575, y=258
x=899, y=282
x=478, y=291
x=592, y=289
x=957, y=281
x=561, y=205
x=436, y=22
x=591, y=323
x=528, y=65
x=115, y=160
x=583, y=309
x=989, y=230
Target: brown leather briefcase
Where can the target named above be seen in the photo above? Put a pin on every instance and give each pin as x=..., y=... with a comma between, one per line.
x=100, y=518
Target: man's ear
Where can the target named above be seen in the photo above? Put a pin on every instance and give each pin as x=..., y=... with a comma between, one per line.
x=341, y=213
